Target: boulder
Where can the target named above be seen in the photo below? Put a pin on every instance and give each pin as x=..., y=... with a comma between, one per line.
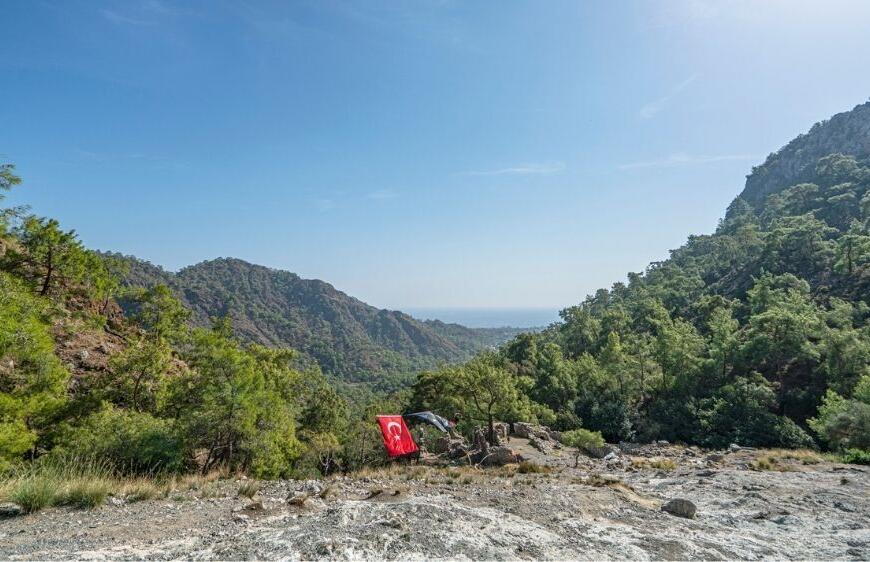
x=502, y=430
x=10, y=510
x=453, y=447
x=479, y=440
x=680, y=508
x=498, y=456
x=545, y=447
x=601, y=452
x=524, y=430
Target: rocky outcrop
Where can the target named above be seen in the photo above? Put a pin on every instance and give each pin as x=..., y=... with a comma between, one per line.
x=846, y=133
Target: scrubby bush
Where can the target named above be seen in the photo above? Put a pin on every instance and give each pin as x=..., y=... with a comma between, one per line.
x=845, y=423
x=583, y=440
x=131, y=442
x=856, y=456
x=32, y=379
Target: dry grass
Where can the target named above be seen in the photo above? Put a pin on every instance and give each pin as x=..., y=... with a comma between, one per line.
x=655, y=463
x=249, y=489
x=87, y=484
x=528, y=467
x=783, y=460
x=141, y=489
x=327, y=492
x=73, y=482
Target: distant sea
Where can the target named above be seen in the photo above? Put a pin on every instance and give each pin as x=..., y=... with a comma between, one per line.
x=489, y=317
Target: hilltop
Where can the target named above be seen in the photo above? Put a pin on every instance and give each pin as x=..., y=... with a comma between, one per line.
x=348, y=338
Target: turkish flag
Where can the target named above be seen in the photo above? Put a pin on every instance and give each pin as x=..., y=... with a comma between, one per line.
x=397, y=438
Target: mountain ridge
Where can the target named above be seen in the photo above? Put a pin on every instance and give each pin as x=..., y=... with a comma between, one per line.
x=847, y=132
x=346, y=336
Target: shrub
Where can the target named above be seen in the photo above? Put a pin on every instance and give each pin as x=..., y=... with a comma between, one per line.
x=32, y=379
x=856, y=456
x=583, y=440
x=131, y=442
x=845, y=424
x=786, y=433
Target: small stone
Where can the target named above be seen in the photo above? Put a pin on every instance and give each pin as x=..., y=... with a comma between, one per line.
x=680, y=508
x=83, y=355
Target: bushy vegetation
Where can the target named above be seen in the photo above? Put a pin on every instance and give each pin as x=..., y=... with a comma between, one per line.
x=583, y=440
x=348, y=339
x=758, y=334
x=173, y=399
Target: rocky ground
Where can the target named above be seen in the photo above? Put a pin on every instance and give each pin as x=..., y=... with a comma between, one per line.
x=603, y=509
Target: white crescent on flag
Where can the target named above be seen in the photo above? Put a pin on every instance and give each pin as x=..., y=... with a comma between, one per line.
x=398, y=434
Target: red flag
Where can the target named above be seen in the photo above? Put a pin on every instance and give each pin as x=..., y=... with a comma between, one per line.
x=397, y=438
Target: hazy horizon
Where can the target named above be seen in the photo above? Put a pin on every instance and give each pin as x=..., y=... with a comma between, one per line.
x=488, y=317
x=432, y=154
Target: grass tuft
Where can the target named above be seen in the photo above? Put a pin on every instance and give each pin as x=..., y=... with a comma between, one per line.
x=528, y=467
x=85, y=492
x=653, y=463
x=249, y=489
x=32, y=493
x=141, y=490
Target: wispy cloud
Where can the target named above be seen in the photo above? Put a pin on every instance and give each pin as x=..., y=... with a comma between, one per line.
x=121, y=19
x=541, y=168
x=382, y=194
x=684, y=159
x=143, y=13
x=324, y=205
x=651, y=109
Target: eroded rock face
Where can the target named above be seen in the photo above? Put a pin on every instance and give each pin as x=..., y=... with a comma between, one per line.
x=846, y=133
x=680, y=508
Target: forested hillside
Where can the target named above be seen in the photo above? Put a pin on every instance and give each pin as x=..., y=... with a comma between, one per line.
x=758, y=333
x=91, y=391
x=348, y=338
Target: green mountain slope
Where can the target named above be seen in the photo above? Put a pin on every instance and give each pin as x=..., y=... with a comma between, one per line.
x=347, y=337
x=758, y=333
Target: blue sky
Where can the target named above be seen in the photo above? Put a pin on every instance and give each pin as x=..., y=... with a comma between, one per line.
x=414, y=154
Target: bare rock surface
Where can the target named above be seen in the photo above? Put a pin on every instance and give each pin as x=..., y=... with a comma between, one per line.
x=805, y=511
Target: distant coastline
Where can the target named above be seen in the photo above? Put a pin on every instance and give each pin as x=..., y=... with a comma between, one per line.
x=489, y=317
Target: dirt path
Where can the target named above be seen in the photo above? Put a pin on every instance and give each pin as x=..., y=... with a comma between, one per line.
x=596, y=511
